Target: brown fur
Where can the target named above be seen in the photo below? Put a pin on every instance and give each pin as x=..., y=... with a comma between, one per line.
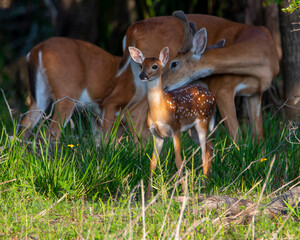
x=171, y=112
x=72, y=66
x=242, y=58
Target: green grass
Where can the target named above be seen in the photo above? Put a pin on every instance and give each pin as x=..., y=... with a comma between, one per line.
x=100, y=186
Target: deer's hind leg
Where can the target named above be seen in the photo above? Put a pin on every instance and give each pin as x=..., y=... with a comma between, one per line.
x=253, y=104
x=63, y=111
x=221, y=87
x=37, y=107
x=32, y=117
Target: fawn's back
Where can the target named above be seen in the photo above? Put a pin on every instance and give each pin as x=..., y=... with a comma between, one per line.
x=191, y=103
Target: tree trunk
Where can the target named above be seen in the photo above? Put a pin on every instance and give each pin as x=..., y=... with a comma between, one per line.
x=291, y=61
x=78, y=19
x=259, y=15
x=121, y=17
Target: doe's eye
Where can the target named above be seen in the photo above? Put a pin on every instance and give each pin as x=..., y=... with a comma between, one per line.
x=174, y=64
x=154, y=67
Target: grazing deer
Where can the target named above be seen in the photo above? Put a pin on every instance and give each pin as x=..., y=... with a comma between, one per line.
x=171, y=112
x=246, y=65
x=64, y=67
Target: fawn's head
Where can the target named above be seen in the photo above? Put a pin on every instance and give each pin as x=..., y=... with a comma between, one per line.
x=151, y=68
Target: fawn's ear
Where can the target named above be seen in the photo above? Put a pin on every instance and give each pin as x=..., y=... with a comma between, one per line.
x=136, y=55
x=164, y=56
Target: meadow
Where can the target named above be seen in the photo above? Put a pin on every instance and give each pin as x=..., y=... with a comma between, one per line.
x=74, y=189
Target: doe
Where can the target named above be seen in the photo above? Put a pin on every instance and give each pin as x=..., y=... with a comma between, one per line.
x=171, y=112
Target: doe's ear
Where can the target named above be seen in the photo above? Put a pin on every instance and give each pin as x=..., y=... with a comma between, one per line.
x=219, y=44
x=136, y=55
x=199, y=42
x=164, y=56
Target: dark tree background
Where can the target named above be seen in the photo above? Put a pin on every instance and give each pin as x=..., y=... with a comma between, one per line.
x=24, y=23
x=290, y=30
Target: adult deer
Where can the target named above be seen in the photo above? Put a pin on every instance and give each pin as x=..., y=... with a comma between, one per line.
x=245, y=65
x=171, y=112
x=63, y=67
x=190, y=66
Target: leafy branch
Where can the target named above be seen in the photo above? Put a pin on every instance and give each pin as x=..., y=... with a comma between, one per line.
x=294, y=5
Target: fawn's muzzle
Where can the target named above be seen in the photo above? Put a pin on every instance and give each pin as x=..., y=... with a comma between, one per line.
x=143, y=76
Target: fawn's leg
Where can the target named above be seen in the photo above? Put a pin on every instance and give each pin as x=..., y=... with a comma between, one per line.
x=158, y=143
x=201, y=128
x=178, y=159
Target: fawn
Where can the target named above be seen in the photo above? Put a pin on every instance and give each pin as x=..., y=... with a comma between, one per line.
x=174, y=111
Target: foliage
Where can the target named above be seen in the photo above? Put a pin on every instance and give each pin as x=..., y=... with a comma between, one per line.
x=100, y=193
x=76, y=189
x=293, y=5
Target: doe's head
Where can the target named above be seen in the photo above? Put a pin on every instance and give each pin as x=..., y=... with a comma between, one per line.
x=187, y=67
x=151, y=67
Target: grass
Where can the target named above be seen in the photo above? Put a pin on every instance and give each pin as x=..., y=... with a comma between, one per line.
x=77, y=190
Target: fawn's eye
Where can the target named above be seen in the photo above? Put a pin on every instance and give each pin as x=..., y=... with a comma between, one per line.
x=174, y=64
x=141, y=66
x=154, y=67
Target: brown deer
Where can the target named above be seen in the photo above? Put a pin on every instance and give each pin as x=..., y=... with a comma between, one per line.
x=69, y=69
x=171, y=112
x=245, y=66
x=191, y=66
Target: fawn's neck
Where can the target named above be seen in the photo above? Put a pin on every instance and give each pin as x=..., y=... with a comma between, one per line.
x=156, y=95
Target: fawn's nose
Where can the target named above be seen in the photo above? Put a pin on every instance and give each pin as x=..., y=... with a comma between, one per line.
x=143, y=76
